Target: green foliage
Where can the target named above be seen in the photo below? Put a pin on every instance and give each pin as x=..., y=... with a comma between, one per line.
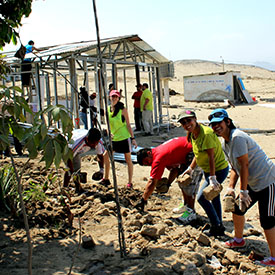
x=9, y=197
x=49, y=141
x=34, y=193
x=12, y=12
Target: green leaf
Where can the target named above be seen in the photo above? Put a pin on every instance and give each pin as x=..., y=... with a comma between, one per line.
x=4, y=139
x=31, y=148
x=16, y=88
x=43, y=130
x=49, y=153
x=58, y=154
x=56, y=113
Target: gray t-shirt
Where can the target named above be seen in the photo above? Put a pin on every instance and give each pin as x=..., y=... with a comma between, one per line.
x=261, y=169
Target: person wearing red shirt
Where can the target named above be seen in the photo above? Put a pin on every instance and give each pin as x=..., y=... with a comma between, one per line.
x=137, y=113
x=175, y=155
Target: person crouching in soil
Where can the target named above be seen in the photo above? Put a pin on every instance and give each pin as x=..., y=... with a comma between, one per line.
x=257, y=180
x=86, y=143
x=175, y=155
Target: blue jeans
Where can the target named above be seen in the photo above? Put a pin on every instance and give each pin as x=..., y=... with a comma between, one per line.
x=83, y=117
x=213, y=208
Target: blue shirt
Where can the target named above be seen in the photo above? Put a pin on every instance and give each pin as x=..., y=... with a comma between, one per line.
x=28, y=50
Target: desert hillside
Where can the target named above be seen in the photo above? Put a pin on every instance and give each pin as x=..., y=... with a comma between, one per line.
x=257, y=81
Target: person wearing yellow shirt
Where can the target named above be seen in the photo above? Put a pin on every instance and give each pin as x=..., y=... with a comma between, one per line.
x=146, y=107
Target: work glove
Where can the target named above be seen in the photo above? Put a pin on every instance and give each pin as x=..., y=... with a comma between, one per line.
x=230, y=192
x=140, y=205
x=244, y=200
x=213, y=181
x=188, y=171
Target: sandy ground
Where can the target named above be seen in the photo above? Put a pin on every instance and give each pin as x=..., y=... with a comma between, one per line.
x=175, y=249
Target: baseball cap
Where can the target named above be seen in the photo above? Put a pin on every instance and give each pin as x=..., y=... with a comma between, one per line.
x=186, y=114
x=115, y=92
x=217, y=115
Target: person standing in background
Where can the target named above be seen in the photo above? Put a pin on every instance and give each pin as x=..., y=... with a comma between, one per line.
x=146, y=107
x=137, y=113
x=122, y=134
x=83, y=106
x=26, y=65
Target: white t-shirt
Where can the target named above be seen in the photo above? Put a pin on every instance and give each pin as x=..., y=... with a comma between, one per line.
x=260, y=168
x=80, y=147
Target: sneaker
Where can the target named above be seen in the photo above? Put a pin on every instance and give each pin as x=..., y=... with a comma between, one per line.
x=233, y=244
x=266, y=262
x=180, y=209
x=129, y=185
x=105, y=182
x=188, y=216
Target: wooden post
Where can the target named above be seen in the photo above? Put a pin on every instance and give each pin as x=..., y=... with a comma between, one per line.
x=137, y=74
x=74, y=92
x=125, y=88
x=37, y=86
x=159, y=94
x=66, y=92
x=48, y=95
x=154, y=96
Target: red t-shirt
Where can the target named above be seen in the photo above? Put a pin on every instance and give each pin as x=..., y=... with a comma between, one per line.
x=137, y=101
x=168, y=155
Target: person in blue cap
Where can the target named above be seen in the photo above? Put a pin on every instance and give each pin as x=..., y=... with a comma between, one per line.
x=256, y=172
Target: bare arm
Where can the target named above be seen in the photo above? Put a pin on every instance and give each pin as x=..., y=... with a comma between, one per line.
x=193, y=163
x=233, y=179
x=125, y=114
x=145, y=103
x=34, y=48
x=243, y=161
x=135, y=96
x=150, y=186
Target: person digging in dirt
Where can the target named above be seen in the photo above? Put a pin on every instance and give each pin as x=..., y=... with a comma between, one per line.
x=175, y=155
x=257, y=181
x=86, y=143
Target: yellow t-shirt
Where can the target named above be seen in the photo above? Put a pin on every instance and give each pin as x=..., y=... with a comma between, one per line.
x=207, y=139
x=118, y=127
x=146, y=94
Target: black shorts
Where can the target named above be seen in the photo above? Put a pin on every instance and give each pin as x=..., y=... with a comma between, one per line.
x=266, y=203
x=122, y=146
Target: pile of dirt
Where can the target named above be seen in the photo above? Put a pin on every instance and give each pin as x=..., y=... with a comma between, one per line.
x=156, y=241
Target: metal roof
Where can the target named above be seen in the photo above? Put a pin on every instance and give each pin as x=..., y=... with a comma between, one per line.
x=129, y=48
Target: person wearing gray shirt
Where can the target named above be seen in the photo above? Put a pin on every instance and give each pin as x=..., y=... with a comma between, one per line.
x=256, y=172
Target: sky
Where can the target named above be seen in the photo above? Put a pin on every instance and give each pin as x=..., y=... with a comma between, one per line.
x=236, y=31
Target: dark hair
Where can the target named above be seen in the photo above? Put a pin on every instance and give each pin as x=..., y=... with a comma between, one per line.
x=31, y=42
x=93, y=135
x=118, y=106
x=229, y=123
x=145, y=85
x=111, y=85
x=142, y=154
